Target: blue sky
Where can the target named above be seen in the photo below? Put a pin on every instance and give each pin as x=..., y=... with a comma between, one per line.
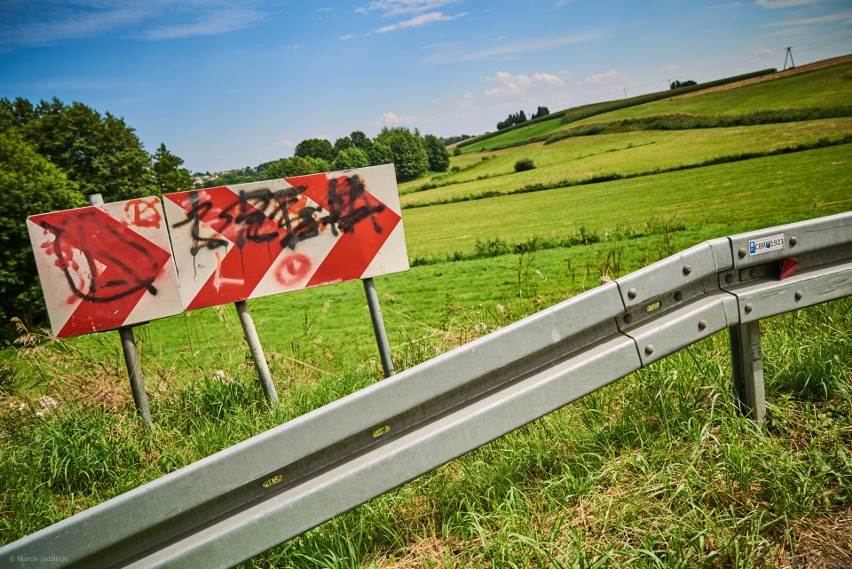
x=228, y=84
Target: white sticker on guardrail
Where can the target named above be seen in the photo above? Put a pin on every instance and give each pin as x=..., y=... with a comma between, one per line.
x=766, y=244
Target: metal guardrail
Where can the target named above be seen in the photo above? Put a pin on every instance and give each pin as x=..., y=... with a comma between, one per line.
x=250, y=497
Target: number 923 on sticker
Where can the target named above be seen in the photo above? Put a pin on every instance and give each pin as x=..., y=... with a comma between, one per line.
x=766, y=244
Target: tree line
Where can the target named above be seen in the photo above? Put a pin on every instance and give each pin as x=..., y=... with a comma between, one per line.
x=521, y=117
x=678, y=84
x=53, y=155
x=411, y=153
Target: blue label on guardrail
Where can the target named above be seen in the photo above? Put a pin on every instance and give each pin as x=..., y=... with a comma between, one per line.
x=766, y=244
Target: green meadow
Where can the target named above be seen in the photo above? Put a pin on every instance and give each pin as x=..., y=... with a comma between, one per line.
x=656, y=470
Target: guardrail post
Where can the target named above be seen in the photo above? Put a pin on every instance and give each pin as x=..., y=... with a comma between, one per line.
x=747, y=364
x=256, y=351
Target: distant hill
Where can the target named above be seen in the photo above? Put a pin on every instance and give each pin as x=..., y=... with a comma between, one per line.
x=557, y=123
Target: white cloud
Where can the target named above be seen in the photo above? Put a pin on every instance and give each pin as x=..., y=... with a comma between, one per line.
x=838, y=17
x=560, y=4
x=518, y=84
x=509, y=49
x=393, y=119
x=420, y=20
x=43, y=22
x=211, y=23
x=602, y=78
x=773, y=4
x=390, y=8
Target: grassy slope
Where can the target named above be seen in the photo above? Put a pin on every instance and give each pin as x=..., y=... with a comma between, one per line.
x=827, y=87
x=576, y=159
x=778, y=188
x=814, y=89
x=651, y=470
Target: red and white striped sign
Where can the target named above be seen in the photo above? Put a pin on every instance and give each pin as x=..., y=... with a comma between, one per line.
x=105, y=266
x=251, y=240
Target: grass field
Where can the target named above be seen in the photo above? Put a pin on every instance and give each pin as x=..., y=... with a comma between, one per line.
x=656, y=470
x=574, y=160
x=828, y=87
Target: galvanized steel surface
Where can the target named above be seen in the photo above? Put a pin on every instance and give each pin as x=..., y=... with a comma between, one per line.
x=239, y=502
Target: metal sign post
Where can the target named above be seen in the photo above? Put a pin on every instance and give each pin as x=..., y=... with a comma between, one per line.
x=234, y=243
x=134, y=371
x=131, y=356
x=256, y=350
x=378, y=326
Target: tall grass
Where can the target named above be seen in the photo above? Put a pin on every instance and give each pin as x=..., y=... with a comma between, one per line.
x=656, y=470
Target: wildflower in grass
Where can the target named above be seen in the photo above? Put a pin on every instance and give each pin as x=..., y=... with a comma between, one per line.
x=46, y=405
x=221, y=377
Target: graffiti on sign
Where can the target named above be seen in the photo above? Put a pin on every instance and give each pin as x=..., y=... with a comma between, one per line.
x=105, y=266
x=263, y=215
x=249, y=240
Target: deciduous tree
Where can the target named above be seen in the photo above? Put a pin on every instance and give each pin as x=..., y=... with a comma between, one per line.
x=29, y=184
x=409, y=156
x=315, y=148
x=101, y=154
x=297, y=166
x=350, y=158
x=437, y=154
x=380, y=153
x=169, y=176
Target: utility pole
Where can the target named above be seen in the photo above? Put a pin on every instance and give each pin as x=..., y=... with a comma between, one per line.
x=790, y=55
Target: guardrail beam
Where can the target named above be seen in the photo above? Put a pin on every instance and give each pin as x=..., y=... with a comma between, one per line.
x=245, y=499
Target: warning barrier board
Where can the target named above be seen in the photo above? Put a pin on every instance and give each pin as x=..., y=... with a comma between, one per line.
x=105, y=266
x=244, y=241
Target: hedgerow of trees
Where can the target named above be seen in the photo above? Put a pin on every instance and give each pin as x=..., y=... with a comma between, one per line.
x=521, y=117
x=52, y=156
x=411, y=153
x=678, y=84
